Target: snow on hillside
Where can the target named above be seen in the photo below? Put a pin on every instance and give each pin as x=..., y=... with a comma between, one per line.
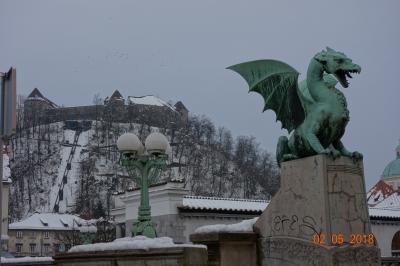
x=64, y=154
x=6, y=168
x=73, y=157
x=34, y=162
x=79, y=171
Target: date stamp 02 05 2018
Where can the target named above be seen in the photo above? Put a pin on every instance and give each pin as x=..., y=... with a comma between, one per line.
x=339, y=239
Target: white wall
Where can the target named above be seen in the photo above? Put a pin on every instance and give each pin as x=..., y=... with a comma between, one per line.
x=384, y=233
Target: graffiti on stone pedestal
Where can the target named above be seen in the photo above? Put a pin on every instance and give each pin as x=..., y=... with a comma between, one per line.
x=293, y=225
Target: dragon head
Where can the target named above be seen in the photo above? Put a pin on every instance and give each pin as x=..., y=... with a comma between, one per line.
x=337, y=64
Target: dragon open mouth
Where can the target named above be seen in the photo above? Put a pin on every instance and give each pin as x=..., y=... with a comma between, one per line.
x=342, y=76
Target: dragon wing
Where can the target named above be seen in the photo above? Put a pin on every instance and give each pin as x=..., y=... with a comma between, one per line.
x=277, y=83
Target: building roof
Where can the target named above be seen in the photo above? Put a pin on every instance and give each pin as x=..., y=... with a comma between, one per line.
x=390, y=202
x=149, y=100
x=384, y=213
x=246, y=206
x=180, y=106
x=53, y=221
x=223, y=204
x=379, y=192
x=117, y=95
x=393, y=168
x=37, y=95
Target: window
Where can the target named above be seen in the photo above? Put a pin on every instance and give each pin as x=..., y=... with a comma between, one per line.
x=32, y=248
x=46, y=248
x=396, y=245
x=46, y=234
x=123, y=230
x=18, y=247
x=19, y=234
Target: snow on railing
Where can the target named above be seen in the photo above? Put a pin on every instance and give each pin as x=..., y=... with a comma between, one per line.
x=243, y=226
x=126, y=243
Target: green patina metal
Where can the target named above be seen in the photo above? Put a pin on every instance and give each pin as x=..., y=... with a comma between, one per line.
x=313, y=111
x=393, y=168
x=144, y=170
x=87, y=237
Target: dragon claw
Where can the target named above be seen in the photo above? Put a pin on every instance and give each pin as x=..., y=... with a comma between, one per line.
x=335, y=154
x=331, y=152
x=356, y=155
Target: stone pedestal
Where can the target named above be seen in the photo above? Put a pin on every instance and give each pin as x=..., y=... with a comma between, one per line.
x=228, y=249
x=318, y=216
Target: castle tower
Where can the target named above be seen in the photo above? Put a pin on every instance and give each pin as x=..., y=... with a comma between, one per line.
x=181, y=108
x=34, y=105
x=115, y=109
x=116, y=98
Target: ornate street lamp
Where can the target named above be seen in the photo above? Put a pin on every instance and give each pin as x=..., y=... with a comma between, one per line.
x=144, y=165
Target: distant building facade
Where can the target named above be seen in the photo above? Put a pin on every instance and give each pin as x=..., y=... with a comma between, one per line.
x=45, y=234
x=384, y=208
x=149, y=110
x=177, y=215
x=4, y=202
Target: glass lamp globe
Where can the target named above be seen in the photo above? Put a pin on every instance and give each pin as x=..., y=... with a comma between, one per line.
x=129, y=142
x=156, y=143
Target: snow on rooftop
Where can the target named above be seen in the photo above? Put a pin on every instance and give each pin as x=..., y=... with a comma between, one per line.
x=51, y=221
x=228, y=204
x=126, y=243
x=390, y=202
x=381, y=212
x=38, y=96
x=390, y=207
x=379, y=192
x=149, y=100
x=26, y=259
x=243, y=226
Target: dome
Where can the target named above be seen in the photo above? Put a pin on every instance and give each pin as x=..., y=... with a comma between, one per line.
x=393, y=168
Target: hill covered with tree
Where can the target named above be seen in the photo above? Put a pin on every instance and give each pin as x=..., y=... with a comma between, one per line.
x=72, y=166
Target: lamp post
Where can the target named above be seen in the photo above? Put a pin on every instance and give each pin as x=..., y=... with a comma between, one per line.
x=144, y=165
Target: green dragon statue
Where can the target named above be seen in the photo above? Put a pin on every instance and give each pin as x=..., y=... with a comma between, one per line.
x=313, y=109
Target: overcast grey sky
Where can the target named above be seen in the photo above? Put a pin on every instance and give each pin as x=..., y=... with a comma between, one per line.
x=178, y=50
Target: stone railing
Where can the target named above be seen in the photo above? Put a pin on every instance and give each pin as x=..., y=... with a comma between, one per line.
x=183, y=255
x=390, y=261
x=16, y=262
x=174, y=256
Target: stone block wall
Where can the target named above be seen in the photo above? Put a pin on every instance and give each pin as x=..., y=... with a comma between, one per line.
x=170, y=225
x=156, y=116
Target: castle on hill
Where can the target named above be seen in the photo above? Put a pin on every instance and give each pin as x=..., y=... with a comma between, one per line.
x=149, y=110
